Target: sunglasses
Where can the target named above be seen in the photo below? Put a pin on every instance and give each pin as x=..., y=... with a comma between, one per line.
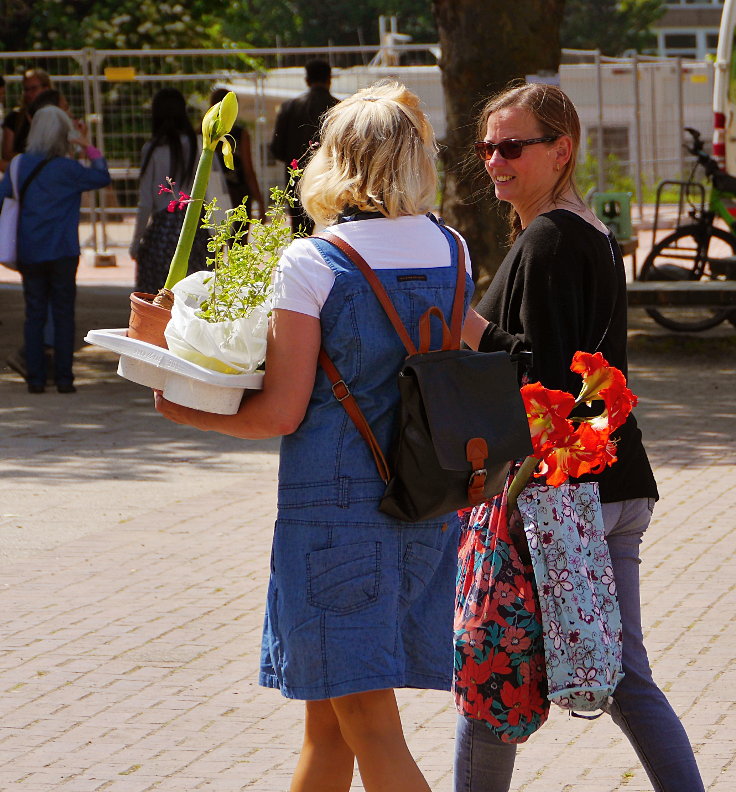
x=508, y=149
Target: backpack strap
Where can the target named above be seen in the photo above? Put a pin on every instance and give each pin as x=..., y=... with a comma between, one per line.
x=376, y=285
x=451, y=341
x=343, y=394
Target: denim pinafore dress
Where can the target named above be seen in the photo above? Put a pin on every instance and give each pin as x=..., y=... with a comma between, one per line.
x=357, y=600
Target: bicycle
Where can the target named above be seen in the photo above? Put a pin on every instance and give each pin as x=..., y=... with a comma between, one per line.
x=696, y=250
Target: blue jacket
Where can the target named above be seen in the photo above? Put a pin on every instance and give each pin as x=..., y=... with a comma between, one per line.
x=49, y=219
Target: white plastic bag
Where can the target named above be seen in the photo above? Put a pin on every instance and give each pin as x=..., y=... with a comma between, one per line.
x=9, y=216
x=232, y=347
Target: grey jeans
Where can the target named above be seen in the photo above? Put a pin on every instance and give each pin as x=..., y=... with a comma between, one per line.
x=484, y=764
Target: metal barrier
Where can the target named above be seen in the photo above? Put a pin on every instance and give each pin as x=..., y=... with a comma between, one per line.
x=632, y=110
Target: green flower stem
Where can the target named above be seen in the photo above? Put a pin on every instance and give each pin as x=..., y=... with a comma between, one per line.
x=521, y=479
x=180, y=261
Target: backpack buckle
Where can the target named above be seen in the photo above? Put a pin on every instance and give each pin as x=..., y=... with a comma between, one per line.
x=340, y=390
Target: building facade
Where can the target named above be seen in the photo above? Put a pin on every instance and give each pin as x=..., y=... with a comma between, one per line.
x=689, y=28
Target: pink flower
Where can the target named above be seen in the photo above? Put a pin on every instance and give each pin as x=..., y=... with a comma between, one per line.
x=294, y=164
x=180, y=203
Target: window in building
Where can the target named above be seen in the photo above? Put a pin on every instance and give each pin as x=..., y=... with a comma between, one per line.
x=680, y=41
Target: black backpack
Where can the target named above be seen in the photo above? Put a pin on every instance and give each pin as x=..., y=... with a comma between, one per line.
x=462, y=417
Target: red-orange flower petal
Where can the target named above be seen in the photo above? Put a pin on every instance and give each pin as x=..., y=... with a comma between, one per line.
x=547, y=411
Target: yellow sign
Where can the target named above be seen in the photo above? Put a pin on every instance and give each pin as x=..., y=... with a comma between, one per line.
x=119, y=73
x=698, y=78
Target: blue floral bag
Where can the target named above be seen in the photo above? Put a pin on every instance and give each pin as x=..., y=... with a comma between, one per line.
x=577, y=593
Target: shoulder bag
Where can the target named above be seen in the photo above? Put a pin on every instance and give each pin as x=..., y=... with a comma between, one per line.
x=10, y=214
x=577, y=593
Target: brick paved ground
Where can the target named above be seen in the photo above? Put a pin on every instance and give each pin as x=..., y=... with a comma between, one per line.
x=133, y=565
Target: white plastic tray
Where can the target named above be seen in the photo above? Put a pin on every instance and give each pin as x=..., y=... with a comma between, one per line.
x=182, y=382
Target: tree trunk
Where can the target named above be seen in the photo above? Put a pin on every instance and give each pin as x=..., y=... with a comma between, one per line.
x=485, y=45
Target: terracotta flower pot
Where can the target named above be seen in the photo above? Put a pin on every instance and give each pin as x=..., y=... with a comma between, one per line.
x=147, y=321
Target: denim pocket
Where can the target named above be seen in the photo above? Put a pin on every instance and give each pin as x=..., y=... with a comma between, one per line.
x=420, y=565
x=345, y=578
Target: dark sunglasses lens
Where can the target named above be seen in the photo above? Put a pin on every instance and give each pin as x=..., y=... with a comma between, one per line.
x=510, y=149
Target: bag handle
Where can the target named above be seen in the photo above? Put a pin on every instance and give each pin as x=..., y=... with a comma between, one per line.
x=425, y=330
x=41, y=165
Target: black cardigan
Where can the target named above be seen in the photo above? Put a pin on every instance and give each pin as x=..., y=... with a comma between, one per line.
x=559, y=290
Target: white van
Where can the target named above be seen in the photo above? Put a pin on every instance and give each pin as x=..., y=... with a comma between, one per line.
x=724, y=91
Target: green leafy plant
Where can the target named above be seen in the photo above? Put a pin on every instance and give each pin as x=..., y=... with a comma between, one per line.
x=246, y=251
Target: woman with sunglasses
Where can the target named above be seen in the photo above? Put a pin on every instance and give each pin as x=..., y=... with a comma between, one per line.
x=561, y=288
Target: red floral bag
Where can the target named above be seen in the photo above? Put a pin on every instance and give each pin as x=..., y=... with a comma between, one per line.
x=500, y=675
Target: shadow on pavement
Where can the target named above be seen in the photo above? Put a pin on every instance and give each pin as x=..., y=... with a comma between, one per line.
x=685, y=385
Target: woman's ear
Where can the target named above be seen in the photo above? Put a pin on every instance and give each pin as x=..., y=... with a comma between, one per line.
x=562, y=151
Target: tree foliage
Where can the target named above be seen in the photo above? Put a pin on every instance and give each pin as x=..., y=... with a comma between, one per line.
x=147, y=24
x=612, y=26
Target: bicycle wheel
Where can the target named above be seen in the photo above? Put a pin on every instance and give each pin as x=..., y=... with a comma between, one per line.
x=687, y=254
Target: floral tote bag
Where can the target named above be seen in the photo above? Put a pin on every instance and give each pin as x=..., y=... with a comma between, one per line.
x=499, y=675
x=577, y=593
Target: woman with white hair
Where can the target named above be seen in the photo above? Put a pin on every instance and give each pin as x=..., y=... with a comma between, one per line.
x=359, y=603
x=51, y=183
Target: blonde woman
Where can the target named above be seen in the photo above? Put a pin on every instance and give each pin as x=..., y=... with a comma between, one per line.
x=358, y=603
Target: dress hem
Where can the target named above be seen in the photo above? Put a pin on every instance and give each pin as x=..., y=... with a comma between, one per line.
x=314, y=693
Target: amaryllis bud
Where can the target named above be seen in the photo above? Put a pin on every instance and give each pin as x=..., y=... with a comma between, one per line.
x=219, y=120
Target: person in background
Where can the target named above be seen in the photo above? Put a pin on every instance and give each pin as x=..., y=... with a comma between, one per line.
x=48, y=237
x=561, y=289
x=351, y=588
x=297, y=127
x=49, y=96
x=171, y=153
x=241, y=182
x=17, y=122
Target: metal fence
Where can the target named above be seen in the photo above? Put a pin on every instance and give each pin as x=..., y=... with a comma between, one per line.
x=632, y=110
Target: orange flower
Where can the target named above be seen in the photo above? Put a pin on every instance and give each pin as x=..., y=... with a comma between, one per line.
x=560, y=449
x=603, y=381
x=547, y=411
x=579, y=453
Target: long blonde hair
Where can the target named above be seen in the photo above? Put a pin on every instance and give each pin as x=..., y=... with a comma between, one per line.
x=556, y=115
x=377, y=152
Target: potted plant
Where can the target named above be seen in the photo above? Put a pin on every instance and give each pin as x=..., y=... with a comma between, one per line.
x=210, y=340
x=219, y=318
x=148, y=317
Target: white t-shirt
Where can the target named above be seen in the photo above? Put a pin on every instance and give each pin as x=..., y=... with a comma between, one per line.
x=303, y=278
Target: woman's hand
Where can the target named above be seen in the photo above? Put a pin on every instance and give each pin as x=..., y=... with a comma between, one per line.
x=179, y=414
